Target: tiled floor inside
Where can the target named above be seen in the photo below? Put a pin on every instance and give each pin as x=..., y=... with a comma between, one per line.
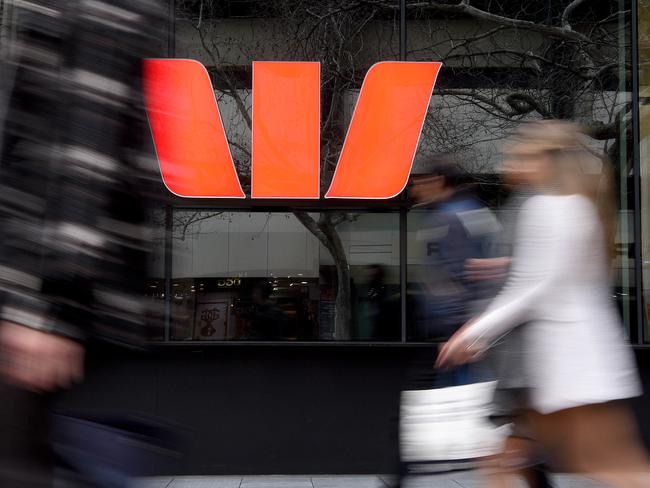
x=456, y=480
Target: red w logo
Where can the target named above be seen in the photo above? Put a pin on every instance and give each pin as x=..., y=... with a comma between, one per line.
x=375, y=161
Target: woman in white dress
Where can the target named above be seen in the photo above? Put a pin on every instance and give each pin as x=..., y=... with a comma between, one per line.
x=577, y=359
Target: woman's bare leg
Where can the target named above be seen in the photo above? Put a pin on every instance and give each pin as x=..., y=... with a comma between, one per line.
x=518, y=460
x=597, y=440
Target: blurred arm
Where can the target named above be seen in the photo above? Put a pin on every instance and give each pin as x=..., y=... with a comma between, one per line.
x=29, y=138
x=70, y=206
x=540, y=240
x=487, y=269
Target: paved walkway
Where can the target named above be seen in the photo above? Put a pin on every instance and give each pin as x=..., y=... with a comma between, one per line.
x=457, y=480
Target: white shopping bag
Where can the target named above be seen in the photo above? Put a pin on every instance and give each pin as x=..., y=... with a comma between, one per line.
x=448, y=427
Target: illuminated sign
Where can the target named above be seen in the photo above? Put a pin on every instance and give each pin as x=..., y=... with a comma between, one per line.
x=228, y=282
x=375, y=161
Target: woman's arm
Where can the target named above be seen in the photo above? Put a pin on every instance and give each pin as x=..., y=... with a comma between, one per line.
x=540, y=240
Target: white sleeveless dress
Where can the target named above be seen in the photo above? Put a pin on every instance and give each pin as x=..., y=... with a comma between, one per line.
x=575, y=348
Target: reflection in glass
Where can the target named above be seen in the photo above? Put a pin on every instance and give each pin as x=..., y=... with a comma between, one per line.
x=155, y=284
x=346, y=38
x=495, y=75
x=270, y=276
x=644, y=151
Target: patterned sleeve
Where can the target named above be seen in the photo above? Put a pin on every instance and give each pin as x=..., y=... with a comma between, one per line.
x=71, y=211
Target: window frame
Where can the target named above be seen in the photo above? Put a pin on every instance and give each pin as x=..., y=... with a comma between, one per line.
x=399, y=204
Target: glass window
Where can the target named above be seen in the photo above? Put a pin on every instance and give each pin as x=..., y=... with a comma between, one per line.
x=155, y=284
x=505, y=62
x=268, y=276
x=274, y=275
x=644, y=150
x=345, y=38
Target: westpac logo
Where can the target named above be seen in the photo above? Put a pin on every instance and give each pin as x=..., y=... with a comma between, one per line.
x=375, y=161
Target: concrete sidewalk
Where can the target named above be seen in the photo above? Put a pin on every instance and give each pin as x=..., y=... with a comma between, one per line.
x=455, y=480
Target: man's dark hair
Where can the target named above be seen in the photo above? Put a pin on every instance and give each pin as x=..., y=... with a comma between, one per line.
x=439, y=166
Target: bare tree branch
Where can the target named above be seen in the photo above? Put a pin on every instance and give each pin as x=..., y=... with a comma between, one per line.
x=312, y=226
x=524, y=56
x=523, y=104
x=198, y=24
x=566, y=15
x=241, y=147
x=344, y=217
x=193, y=219
x=466, y=9
x=507, y=109
x=606, y=131
x=473, y=39
x=231, y=89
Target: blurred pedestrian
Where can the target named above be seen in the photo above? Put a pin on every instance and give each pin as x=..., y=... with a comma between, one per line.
x=72, y=179
x=577, y=360
x=379, y=311
x=457, y=227
x=520, y=456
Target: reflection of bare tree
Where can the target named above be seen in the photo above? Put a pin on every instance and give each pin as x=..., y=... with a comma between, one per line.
x=324, y=228
x=518, y=60
x=184, y=220
x=327, y=32
x=325, y=231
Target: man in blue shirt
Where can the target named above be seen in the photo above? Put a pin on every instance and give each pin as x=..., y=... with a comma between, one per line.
x=457, y=227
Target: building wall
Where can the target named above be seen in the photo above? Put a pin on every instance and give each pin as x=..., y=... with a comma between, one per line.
x=271, y=410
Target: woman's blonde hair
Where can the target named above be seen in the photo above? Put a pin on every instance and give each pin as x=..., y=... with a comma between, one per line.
x=576, y=168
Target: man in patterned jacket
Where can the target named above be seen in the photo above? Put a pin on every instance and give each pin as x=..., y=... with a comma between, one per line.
x=73, y=168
